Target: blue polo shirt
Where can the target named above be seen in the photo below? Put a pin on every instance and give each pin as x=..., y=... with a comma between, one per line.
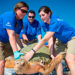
x=30, y=30
x=8, y=21
x=62, y=30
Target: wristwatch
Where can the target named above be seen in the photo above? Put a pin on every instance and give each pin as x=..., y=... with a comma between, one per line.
x=34, y=51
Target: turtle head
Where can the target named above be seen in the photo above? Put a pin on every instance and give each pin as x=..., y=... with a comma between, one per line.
x=19, y=64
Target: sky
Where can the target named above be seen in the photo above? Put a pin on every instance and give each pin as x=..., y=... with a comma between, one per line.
x=64, y=9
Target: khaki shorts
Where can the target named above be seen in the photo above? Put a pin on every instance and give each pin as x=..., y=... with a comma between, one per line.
x=68, y=48
x=5, y=50
x=71, y=46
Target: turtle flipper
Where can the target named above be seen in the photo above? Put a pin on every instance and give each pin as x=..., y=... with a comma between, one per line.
x=50, y=67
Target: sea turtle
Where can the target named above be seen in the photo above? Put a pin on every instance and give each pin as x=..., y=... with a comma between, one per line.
x=40, y=62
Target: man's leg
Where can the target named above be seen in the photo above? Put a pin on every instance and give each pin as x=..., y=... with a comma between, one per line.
x=70, y=56
x=59, y=69
x=70, y=59
x=2, y=64
x=2, y=61
x=5, y=51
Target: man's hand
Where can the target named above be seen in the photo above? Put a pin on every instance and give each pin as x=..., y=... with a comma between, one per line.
x=17, y=55
x=26, y=41
x=29, y=55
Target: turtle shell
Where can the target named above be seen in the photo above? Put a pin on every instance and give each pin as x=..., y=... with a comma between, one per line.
x=43, y=54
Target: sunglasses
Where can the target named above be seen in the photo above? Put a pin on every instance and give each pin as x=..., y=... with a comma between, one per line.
x=23, y=11
x=31, y=16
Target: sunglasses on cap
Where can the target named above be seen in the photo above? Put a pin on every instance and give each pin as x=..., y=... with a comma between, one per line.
x=23, y=11
x=31, y=16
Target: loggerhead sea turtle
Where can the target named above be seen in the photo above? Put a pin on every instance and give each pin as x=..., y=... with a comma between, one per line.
x=40, y=62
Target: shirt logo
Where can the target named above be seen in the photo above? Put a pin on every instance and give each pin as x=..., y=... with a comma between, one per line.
x=8, y=24
x=59, y=19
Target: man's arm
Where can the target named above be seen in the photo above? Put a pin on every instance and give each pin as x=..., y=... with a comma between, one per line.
x=25, y=39
x=12, y=39
x=51, y=43
x=19, y=41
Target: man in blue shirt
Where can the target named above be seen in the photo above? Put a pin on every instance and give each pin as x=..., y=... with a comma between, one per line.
x=31, y=28
x=10, y=27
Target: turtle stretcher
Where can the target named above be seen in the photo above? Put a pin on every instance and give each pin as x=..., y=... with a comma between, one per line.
x=40, y=62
